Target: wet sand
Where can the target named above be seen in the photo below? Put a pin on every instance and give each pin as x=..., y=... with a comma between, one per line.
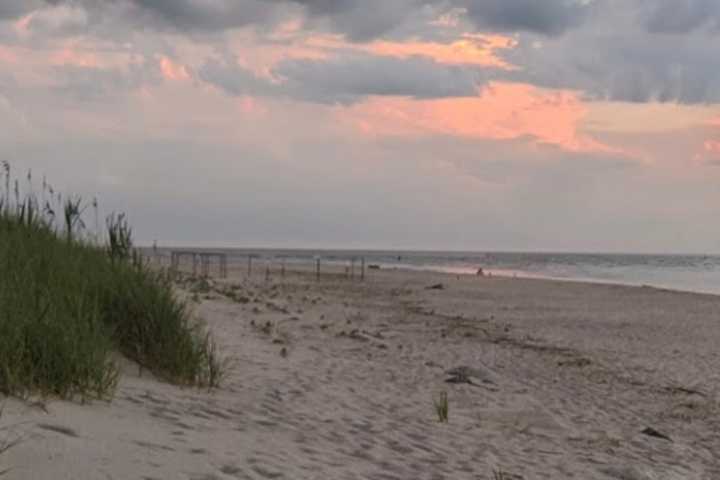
x=336, y=380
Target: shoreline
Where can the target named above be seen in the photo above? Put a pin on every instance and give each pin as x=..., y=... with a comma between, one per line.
x=692, y=281
x=512, y=275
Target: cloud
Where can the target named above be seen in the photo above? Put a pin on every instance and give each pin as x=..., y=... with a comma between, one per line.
x=547, y=17
x=348, y=79
x=469, y=49
x=173, y=71
x=458, y=151
x=97, y=83
x=710, y=153
x=118, y=19
x=357, y=20
x=11, y=9
x=678, y=17
x=600, y=48
x=60, y=20
x=361, y=20
x=203, y=15
x=234, y=79
x=625, y=66
x=501, y=112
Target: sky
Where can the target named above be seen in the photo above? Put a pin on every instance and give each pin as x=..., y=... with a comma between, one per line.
x=541, y=125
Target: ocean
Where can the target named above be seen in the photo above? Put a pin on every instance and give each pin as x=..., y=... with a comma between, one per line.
x=694, y=273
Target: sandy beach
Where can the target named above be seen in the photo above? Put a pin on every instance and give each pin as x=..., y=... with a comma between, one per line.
x=336, y=379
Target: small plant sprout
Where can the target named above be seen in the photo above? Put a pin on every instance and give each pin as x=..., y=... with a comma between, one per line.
x=72, y=214
x=96, y=234
x=442, y=407
x=499, y=474
x=119, y=237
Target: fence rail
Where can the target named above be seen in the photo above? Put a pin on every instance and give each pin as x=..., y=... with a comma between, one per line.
x=203, y=259
x=222, y=265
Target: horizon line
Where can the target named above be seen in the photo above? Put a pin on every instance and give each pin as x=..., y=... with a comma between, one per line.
x=224, y=246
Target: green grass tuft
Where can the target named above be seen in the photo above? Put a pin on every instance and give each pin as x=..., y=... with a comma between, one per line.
x=67, y=304
x=499, y=474
x=442, y=408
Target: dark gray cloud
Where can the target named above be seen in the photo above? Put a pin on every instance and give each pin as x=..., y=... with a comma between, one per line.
x=186, y=16
x=681, y=16
x=547, y=17
x=349, y=79
x=361, y=20
x=625, y=50
x=235, y=79
x=358, y=20
x=624, y=67
x=10, y=9
x=204, y=15
x=72, y=20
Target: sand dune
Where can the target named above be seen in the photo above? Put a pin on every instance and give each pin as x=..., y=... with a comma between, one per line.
x=336, y=380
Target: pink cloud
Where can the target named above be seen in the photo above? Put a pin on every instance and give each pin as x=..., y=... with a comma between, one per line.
x=291, y=41
x=712, y=146
x=502, y=111
x=250, y=105
x=471, y=49
x=468, y=49
x=173, y=71
x=69, y=55
x=7, y=55
x=710, y=153
x=22, y=25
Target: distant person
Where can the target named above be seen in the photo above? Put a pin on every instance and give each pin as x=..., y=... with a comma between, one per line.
x=480, y=272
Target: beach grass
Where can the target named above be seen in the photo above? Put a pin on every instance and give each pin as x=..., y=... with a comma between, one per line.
x=442, y=407
x=499, y=474
x=68, y=304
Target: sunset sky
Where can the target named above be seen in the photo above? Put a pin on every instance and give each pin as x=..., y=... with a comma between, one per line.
x=581, y=125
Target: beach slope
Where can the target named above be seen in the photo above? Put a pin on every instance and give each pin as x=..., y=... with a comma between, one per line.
x=337, y=379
